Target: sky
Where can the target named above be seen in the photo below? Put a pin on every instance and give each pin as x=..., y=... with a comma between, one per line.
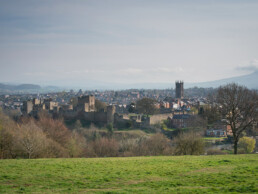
x=84, y=42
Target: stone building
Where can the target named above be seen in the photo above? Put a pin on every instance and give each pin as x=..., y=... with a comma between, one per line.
x=27, y=107
x=179, y=89
x=37, y=105
x=85, y=110
x=50, y=105
x=86, y=103
x=111, y=110
x=181, y=121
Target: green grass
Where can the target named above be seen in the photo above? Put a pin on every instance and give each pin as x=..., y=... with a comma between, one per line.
x=169, y=129
x=215, y=138
x=131, y=131
x=164, y=174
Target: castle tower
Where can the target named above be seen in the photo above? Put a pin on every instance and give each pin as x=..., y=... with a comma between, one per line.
x=86, y=103
x=27, y=107
x=110, y=113
x=179, y=89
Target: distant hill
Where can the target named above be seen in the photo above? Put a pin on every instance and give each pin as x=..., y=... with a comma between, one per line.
x=24, y=88
x=20, y=87
x=27, y=87
x=51, y=88
x=250, y=81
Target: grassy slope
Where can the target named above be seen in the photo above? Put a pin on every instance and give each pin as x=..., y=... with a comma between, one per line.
x=180, y=174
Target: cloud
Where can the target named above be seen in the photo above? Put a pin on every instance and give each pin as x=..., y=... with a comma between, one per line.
x=251, y=66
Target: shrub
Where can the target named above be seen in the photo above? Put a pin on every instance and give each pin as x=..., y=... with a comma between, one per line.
x=158, y=144
x=213, y=151
x=76, y=145
x=110, y=128
x=247, y=144
x=103, y=147
x=188, y=144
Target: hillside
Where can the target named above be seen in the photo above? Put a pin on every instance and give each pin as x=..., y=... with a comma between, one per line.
x=19, y=87
x=250, y=80
x=26, y=88
x=170, y=174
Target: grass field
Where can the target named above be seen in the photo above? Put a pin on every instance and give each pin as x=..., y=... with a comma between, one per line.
x=215, y=138
x=164, y=174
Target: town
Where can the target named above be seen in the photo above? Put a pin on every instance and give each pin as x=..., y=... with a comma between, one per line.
x=172, y=107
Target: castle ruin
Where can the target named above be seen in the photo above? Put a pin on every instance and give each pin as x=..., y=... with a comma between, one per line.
x=85, y=110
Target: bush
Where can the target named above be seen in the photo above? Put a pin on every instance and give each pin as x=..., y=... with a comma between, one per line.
x=247, y=144
x=126, y=146
x=188, y=144
x=103, y=147
x=76, y=145
x=157, y=144
x=110, y=128
x=215, y=152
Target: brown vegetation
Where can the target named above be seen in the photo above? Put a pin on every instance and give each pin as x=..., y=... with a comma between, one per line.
x=189, y=144
x=46, y=137
x=213, y=151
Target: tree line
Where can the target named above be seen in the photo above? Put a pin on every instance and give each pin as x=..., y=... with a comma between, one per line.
x=46, y=137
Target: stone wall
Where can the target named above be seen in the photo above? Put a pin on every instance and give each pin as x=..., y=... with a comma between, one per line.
x=69, y=115
x=100, y=117
x=159, y=117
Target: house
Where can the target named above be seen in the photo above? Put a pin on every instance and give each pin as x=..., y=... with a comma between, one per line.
x=216, y=133
x=219, y=129
x=180, y=120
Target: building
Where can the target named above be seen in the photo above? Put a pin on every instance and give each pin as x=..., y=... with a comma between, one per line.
x=181, y=121
x=216, y=133
x=27, y=107
x=179, y=89
x=86, y=103
x=219, y=129
x=85, y=110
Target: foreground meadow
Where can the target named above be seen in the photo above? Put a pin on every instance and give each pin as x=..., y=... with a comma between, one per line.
x=164, y=174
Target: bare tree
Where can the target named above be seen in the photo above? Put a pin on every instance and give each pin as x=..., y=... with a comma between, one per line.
x=55, y=130
x=239, y=106
x=76, y=145
x=8, y=139
x=32, y=139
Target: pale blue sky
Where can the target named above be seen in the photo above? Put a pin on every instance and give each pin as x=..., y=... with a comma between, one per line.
x=77, y=42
